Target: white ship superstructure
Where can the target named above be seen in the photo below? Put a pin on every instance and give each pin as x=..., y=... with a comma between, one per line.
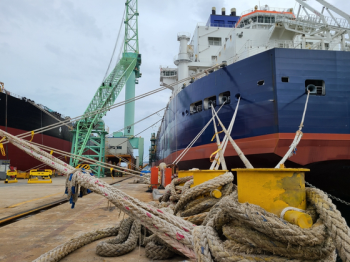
x=230, y=38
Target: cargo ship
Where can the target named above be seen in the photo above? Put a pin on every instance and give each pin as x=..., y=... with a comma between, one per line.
x=19, y=115
x=270, y=58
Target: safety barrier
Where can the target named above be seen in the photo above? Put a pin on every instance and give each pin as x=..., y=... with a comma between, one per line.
x=45, y=175
x=11, y=174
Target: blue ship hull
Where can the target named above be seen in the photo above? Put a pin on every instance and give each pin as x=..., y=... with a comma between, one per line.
x=269, y=115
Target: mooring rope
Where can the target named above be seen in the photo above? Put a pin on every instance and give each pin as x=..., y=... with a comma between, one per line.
x=297, y=137
x=204, y=242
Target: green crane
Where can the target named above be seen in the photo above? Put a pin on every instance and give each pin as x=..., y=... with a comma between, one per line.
x=89, y=133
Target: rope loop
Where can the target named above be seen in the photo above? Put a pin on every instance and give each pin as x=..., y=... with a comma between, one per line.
x=2, y=150
x=32, y=132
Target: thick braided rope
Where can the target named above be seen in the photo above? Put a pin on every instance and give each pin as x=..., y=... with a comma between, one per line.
x=158, y=252
x=205, y=187
x=57, y=164
x=271, y=225
x=199, y=208
x=124, y=231
x=252, y=238
x=228, y=189
x=175, y=236
x=197, y=219
x=113, y=248
x=207, y=241
x=75, y=243
x=219, y=253
x=166, y=195
x=195, y=202
x=333, y=220
x=52, y=161
x=201, y=246
x=177, y=181
x=187, y=186
x=217, y=209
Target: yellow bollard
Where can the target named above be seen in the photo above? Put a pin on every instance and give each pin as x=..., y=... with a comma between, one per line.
x=201, y=176
x=216, y=193
x=274, y=190
x=298, y=218
x=10, y=173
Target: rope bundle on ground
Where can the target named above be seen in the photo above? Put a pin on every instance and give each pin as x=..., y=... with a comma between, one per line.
x=266, y=237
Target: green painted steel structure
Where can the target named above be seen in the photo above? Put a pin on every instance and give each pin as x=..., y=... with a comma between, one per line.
x=89, y=133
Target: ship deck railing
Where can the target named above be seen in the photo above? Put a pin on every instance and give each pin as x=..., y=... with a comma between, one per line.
x=251, y=48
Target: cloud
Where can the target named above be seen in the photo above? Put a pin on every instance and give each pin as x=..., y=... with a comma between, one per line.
x=53, y=49
x=57, y=52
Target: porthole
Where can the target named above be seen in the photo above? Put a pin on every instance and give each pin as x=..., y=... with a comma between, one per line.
x=183, y=113
x=186, y=112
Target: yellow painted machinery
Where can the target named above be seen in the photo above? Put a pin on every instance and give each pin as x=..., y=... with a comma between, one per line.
x=45, y=175
x=11, y=174
x=201, y=176
x=85, y=166
x=280, y=191
x=23, y=175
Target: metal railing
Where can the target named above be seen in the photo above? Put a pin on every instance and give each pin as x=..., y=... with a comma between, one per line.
x=316, y=22
x=268, y=8
x=251, y=48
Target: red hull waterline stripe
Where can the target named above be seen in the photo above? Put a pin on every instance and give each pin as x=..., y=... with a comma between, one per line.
x=22, y=160
x=311, y=149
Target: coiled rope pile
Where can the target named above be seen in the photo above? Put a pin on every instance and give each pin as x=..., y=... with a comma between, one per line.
x=230, y=231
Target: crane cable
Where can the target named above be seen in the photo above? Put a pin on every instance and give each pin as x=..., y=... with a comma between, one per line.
x=115, y=45
x=141, y=120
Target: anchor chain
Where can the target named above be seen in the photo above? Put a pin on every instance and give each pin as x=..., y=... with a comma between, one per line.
x=329, y=195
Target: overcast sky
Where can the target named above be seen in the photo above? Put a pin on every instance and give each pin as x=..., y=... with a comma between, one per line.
x=57, y=52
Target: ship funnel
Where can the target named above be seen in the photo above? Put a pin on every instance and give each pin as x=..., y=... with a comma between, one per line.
x=223, y=11
x=233, y=11
x=213, y=11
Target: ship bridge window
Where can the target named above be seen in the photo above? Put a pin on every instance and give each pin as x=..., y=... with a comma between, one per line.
x=260, y=19
x=214, y=41
x=225, y=97
x=169, y=73
x=196, y=107
x=316, y=87
x=209, y=102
